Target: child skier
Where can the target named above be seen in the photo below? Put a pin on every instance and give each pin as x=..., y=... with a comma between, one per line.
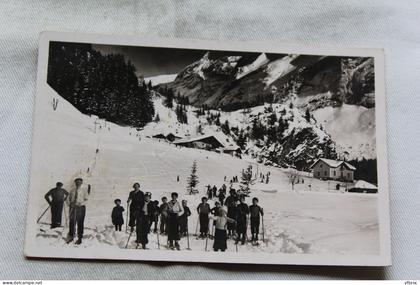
x=242, y=220
x=232, y=211
x=203, y=210
x=175, y=210
x=143, y=224
x=255, y=212
x=222, y=197
x=221, y=221
x=163, y=216
x=117, y=215
x=155, y=216
x=215, y=210
x=183, y=220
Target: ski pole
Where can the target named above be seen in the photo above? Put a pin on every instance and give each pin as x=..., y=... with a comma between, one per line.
x=207, y=236
x=65, y=214
x=236, y=242
x=263, y=228
x=128, y=240
x=188, y=239
x=157, y=234
x=126, y=219
x=43, y=213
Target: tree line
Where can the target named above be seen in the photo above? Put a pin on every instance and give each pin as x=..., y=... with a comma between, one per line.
x=102, y=85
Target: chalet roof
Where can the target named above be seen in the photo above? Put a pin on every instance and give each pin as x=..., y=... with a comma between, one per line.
x=222, y=139
x=334, y=163
x=165, y=134
x=361, y=184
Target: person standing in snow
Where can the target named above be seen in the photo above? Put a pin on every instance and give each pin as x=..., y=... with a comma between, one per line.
x=175, y=210
x=203, y=210
x=183, y=220
x=78, y=196
x=214, y=191
x=143, y=220
x=117, y=215
x=220, y=237
x=255, y=212
x=155, y=216
x=164, y=216
x=136, y=201
x=232, y=211
x=221, y=198
x=215, y=210
x=241, y=219
x=55, y=198
x=209, y=192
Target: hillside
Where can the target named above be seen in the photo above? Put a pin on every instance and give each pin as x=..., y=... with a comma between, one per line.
x=126, y=155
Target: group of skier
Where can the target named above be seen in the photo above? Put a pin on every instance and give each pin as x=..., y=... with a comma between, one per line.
x=228, y=218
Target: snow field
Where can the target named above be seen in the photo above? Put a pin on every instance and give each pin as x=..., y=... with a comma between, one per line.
x=298, y=221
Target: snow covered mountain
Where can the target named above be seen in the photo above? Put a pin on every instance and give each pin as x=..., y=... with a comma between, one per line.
x=160, y=79
x=230, y=82
x=337, y=93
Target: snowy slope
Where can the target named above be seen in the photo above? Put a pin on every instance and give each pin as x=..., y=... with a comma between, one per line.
x=351, y=127
x=300, y=221
x=245, y=70
x=159, y=79
x=279, y=68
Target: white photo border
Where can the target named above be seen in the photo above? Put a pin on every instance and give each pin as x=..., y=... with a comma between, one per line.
x=32, y=249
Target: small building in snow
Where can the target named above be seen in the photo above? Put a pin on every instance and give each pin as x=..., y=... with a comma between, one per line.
x=170, y=136
x=362, y=186
x=216, y=142
x=333, y=169
x=208, y=142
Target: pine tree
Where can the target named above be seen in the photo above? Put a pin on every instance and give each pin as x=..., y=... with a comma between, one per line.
x=307, y=115
x=157, y=118
x=226, y=128
x=193, y=179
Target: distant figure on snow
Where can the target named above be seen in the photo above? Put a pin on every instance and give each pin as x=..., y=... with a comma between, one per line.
x=55, y=198
x=117, y=215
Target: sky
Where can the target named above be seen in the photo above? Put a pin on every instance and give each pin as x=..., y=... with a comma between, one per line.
x=152, y=61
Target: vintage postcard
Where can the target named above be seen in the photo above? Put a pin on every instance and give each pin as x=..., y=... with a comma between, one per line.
x=204, y=151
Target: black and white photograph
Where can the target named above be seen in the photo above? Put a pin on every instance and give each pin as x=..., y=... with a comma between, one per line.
x=203, y=151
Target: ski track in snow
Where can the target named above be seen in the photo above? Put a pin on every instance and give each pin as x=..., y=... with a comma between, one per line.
x=318, y=221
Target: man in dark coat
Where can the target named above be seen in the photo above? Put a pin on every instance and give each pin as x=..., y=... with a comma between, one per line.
x=55, y=198
x=242, y=220
x=155, y=216
x=255, y=212
x=164, y=216
x=183, y=219
x=232, y=211
x=143, y=220
x=136, y=201
x=117, y=215
x=203, y=210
